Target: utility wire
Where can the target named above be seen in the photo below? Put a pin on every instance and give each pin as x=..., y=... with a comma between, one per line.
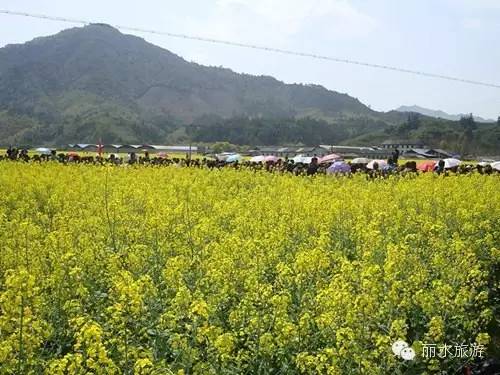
x=257, y=47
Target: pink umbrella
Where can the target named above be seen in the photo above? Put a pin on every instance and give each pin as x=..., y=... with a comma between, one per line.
x=271, y=158
x=162, y=155
x=329, y=158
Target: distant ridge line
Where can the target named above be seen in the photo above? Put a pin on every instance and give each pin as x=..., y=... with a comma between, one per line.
x=258, y=47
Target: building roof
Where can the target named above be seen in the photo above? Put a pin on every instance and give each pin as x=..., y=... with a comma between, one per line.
x=174, y=148
x=373, y=152
x=428, y=153
x=269, y=148
x=402, y=142
x=420, y=151
x=84, y=146
x=305, y=149
x=444, y=152
x=347, y=148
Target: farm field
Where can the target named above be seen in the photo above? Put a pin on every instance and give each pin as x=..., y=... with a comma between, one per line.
x=164, y=270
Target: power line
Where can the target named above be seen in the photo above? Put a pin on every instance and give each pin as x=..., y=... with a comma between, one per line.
x=257, y=47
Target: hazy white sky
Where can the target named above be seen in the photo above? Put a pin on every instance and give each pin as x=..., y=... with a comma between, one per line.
x=452, y=37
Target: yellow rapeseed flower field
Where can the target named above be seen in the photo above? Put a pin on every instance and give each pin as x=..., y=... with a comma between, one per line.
x=165, y=270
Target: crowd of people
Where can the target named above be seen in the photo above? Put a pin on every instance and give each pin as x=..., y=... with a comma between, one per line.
x=281, y=165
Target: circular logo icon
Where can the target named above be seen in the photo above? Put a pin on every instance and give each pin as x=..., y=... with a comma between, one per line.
x=408, y=354
x=398, y=347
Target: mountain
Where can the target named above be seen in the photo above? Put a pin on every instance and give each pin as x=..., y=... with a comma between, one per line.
x=101, y=61
x=93, y=82
x=437, y=113
x=98, y=69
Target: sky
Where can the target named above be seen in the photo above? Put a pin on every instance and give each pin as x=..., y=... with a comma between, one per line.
x=452, y=37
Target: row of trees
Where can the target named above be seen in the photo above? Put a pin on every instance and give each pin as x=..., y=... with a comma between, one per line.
x=465, y=136
x=264, y=131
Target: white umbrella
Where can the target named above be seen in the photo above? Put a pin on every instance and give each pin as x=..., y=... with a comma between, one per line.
x=257, y=159
x=381, y=164
x=496, y=165
x=360, y=161
x=302, y=159
x=451, y=163
x=298, y=159
x=44, y=151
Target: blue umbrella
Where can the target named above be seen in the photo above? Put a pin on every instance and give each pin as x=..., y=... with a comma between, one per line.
x=233, y=158
x=339, y=167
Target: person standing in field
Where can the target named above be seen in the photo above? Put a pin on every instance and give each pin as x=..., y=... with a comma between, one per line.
x=440, y=167
x=374, y=173
x=313, y=167
x=395, y=156
x=132, y=158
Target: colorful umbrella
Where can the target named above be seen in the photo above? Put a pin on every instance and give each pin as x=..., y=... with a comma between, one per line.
x=257, y=159
x=329, y=158
x=338, y=167
x=360, y=161
x=382, y=164
x=427, y=166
